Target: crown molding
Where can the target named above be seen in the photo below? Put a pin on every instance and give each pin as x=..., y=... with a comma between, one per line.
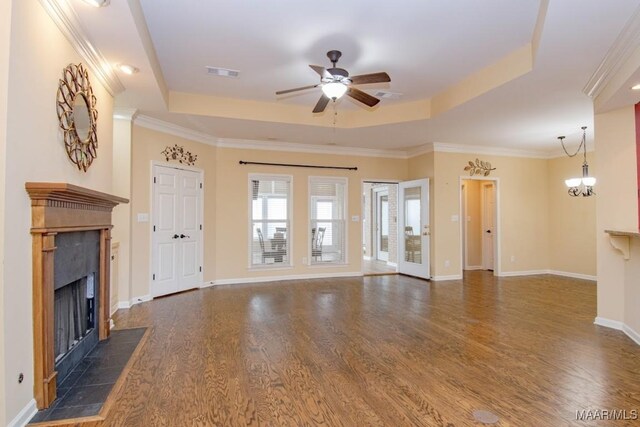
x=176, y=130
x=420, y=150
x=248, y=144
x=68, y=22
x=489, y=151
x=618, y=54
x=125, y=113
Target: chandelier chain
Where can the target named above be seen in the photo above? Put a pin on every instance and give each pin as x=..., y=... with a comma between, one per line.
x=581, y=146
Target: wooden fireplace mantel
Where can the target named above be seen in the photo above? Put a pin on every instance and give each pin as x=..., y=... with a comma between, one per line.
x=58, y=208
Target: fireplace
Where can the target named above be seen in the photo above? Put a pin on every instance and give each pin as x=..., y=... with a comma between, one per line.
x=71, y=230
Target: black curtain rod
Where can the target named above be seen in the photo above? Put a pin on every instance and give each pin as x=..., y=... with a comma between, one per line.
x=353, y=168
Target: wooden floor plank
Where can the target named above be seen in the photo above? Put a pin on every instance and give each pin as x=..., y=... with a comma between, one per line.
x=380, y=350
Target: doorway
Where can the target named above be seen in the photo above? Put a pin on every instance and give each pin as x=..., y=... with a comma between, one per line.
x=479, y=212
x=379, y=227
x=176, y=246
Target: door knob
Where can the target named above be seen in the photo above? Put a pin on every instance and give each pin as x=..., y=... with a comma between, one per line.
x=182, y=236
x=175, y=236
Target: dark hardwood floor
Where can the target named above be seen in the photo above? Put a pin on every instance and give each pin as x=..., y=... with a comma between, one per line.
x=381, y=350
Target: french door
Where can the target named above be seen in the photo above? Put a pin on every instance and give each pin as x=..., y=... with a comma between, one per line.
x=382, y=224
x=177, y=230
x=413, y=228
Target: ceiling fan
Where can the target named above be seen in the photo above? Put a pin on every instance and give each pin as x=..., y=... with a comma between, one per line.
x=335, y=82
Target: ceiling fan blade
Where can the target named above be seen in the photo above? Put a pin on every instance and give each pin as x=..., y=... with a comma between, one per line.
x=322, y=71
x=370, y=78
x=322, y=104
x=282, y=92
x=363, y=97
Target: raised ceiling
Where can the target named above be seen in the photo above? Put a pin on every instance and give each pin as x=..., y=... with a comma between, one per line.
x=496, y=73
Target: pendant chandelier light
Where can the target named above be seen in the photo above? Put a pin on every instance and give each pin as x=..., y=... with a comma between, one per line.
x=580, y=186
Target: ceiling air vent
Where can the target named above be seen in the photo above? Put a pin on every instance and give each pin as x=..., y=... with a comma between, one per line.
x=222, y=72
x=387, y=95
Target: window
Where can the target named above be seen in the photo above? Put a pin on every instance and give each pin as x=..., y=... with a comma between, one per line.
x=327, y=231
x=270, y=201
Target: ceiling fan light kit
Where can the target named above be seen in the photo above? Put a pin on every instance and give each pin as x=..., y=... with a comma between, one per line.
x=336, y=82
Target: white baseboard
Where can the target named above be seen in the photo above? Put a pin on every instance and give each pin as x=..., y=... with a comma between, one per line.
x=573, y=275
x=282, y=278
x=111, y=324
x=24, y=415
x=452, y=277
x=523, y=273
x=366, y=258
x=114, y=308
x=392, y=264
x=620, y=326
x=554, y=272
x=134, y=301
x=207, y=284
x=473, y=267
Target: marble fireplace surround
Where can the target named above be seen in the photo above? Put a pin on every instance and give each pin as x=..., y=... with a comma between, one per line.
x=59, y=208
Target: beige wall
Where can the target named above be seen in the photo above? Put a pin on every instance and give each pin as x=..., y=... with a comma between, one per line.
x=473, y=222
x=5, y=36
x=147, y=146
x=35, y=152
x=523, y=209
x=232, y=207
x=122, y=137
x=572, y=220
x=617, y=208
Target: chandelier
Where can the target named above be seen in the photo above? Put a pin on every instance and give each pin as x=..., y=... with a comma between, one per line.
x=580, y=186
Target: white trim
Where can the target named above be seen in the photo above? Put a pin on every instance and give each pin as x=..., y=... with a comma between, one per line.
x=128, y=114
x=207, y=284
x=61, y=12
x=488, y=150
x=473, y=267
x=176, y=130
x=114, y=308
x=608, y=323
x=285, y=278
x=420, y=150
x=443, y=278
x=618, y=53
x=124, y=305
x=522, y=273
x=392, y=264
x=366, y=258
x=247, y=144
x=631, y=333
x=573, y=275
x=140, y=299
x=24, y=415
x=111, y=324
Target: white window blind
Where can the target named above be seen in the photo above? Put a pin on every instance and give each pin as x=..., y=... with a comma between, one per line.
x=270, y=201
x=327, y=231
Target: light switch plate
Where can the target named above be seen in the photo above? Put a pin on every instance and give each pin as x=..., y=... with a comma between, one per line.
x=143, y=217
x=454, y=218
x=355, y=218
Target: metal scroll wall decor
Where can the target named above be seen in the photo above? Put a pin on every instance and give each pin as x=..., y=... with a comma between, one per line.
x=76, y=108
x=479, y=168
x=180, y=154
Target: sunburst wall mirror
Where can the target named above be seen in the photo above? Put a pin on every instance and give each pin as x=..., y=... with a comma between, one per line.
x=76, y=108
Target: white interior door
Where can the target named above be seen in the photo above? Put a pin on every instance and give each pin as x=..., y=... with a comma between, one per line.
x=177, y=230
x=382, y=225
x=413, y=228
x=488, y=225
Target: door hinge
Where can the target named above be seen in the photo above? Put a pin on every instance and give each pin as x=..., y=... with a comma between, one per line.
x=154, y=179
x=154, y=277
x=200, y=185
x=200, y=226
x=200, y=269
x=154, y=228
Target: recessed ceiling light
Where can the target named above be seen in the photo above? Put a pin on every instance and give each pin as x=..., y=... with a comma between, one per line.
x=127, y=69
x=636, y=87
x=98, y=3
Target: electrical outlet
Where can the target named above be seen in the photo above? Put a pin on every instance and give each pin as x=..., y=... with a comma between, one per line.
x=447, y=263
x=513, y=258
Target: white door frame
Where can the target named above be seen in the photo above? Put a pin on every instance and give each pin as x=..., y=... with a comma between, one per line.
x=497, y=262
x=362, y=183
x=375, y=242
x=155, y=163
